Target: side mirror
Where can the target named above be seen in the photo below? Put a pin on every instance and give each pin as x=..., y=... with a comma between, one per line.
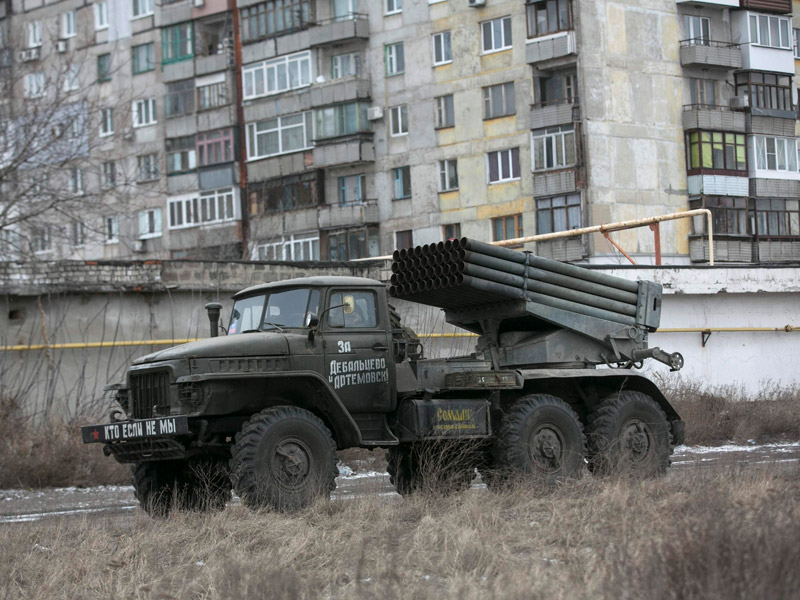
x=311, y=322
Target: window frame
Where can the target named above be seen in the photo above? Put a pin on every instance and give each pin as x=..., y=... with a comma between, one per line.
x=448, y=178
x=108, y=174
x=149, y=105
x=76, y=181
x=181, y=96
x=398, y=120
x=408, y=242
x=550, y=136
x=253, y=133
x=530, y=7
x=34, y=85
x=269, y=71
x=155, y=227
x=769, y=18
x=693, y=37
x=104, y=75
x=256, y=18
x=762, y=93
x=513, y=159
x=488, y=101
x=185, y=147
x=392, y=58
x=100, y=15
x=354, y=59
x=141, y=9
x=442, y=43
x=788, y=146
x=287, y=247
x=440, y=111
x=349, y=118
x=506, y=44
x=106, y=122
x=396, y=7
x=400, y=177
x=147, y=167
x=111, y=229
x=570, y=200
x=205, y=141
x=516, y=224
x=790, y=221
x=701, y=155
x=360, y=188
x=149, y=51
x=174, y=47
x=34, y=34
x=456, y=231
x=68, y=25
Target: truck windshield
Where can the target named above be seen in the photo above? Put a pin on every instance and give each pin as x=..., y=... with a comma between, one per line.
x=283, y=309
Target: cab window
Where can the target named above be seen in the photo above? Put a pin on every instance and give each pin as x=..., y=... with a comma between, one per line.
x=363, y=315
x=289, y=308
x=246, y=314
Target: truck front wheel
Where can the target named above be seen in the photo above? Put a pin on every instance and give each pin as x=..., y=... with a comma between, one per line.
x=541, y=436
x=629, y=434
x=198, y=484
x=284, y=458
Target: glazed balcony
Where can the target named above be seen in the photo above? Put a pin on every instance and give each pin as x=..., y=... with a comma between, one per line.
x=554, y=112
x=351, y=214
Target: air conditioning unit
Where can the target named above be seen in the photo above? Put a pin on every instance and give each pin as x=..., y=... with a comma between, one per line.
x=477, y=3
x=61, y=45
x=137, y=246
x=29, y=54
x=739, y=102
x=374, y=113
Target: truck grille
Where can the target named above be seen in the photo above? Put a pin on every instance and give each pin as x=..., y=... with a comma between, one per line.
x=148, y=390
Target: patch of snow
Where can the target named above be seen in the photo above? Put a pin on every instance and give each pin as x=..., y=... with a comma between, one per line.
x=785, y=447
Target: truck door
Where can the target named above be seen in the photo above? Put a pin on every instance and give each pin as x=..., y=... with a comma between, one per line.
x=358, y=357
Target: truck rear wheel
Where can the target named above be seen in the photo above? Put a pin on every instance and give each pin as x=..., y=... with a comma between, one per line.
x=628, y=433
x=284, y=458
x=430, y=467
x=541, y=436
x=162, y=486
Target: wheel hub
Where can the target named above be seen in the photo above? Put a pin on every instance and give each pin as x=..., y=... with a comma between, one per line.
x=637, y=440
x=292, y=462
x=547, y=449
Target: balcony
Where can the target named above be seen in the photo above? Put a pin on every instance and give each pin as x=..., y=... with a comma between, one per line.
x=717, y=118
x=555, y=112
x=782, y=126
x=763, y=187
x=212, y=63
x=718, y=185
x=707, y=53
x=783, y=7
x=348, y=215
x=555, y=183
x=315, y=34
x=717, y=3
x=339, y=90
x=551, y=46
x=335, y=31
x=343, y=151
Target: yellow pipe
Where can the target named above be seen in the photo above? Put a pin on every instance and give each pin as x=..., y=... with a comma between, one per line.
x=173, y=342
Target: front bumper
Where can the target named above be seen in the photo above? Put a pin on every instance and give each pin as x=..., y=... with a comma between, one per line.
x=163, y=438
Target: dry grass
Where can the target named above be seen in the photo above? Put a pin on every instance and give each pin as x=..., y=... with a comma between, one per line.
x=50, y=455
x=693, y=535
x=718, y=415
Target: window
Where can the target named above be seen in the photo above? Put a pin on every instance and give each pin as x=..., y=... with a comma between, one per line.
x=272, y=17
x=101, y=15
x=106, y=121
x=498, y=100
x=75, y=180
x=444, y=113
x=111, y=230
x=496, y=34
x=363, y=315
x=177, y=43
x=352, y=188
x=766, y=90
x=451, y=231
x=68, y=24
x=775, y=217
x=404, y=239
x=715, y=150
x=342, y=119
x=401, y=183
x=40, y=239
x=353, y=244
x=697, y=30
x=34, y=85
x=34, y=34
x=180, y=154
x=144, y=112
x=448, y=175
x=143, y=58
x=108, y=174
x=142, y=8
x=775, y=153
x=179, y=99
x=394, y=6
x=296, y=247
x=553, y=148
x=442, y=53
x=796, y=36
x=277, y=75
x=71, y=83
x=217, y=206
x=729, y=215
x=398, y=120
x=78, y=233
x=549, y=16
x=395, y=59
x=280, y=135
x=770, y=31
x=212, y=95
x=558, y=88
x=104, y=67
x=344, y=10
x=503, y=165
x=147, y=167
x=702, y=92
x=286, y=193
x=214, y=147
x=182, y=212
x=560, y=213
x=507, y=228
x=345, y=65
x=149, y=223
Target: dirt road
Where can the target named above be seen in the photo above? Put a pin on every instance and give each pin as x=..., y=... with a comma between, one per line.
x=23, y=506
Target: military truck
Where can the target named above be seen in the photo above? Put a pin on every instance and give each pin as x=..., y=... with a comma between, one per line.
x=314, y=365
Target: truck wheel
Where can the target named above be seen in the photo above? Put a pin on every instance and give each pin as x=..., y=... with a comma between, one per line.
x=284, y=458
x=435, y=468
x=628, y=433
x=163, y=486
x=542, y=436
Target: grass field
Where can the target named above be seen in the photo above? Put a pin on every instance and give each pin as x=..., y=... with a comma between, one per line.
x=694, y=534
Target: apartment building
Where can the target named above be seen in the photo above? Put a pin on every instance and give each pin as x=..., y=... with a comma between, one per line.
x=341, y=129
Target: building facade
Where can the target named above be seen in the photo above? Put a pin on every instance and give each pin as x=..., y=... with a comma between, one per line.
x=329, y=130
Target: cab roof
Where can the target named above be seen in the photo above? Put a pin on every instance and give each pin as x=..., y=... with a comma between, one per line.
x=316, y=281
